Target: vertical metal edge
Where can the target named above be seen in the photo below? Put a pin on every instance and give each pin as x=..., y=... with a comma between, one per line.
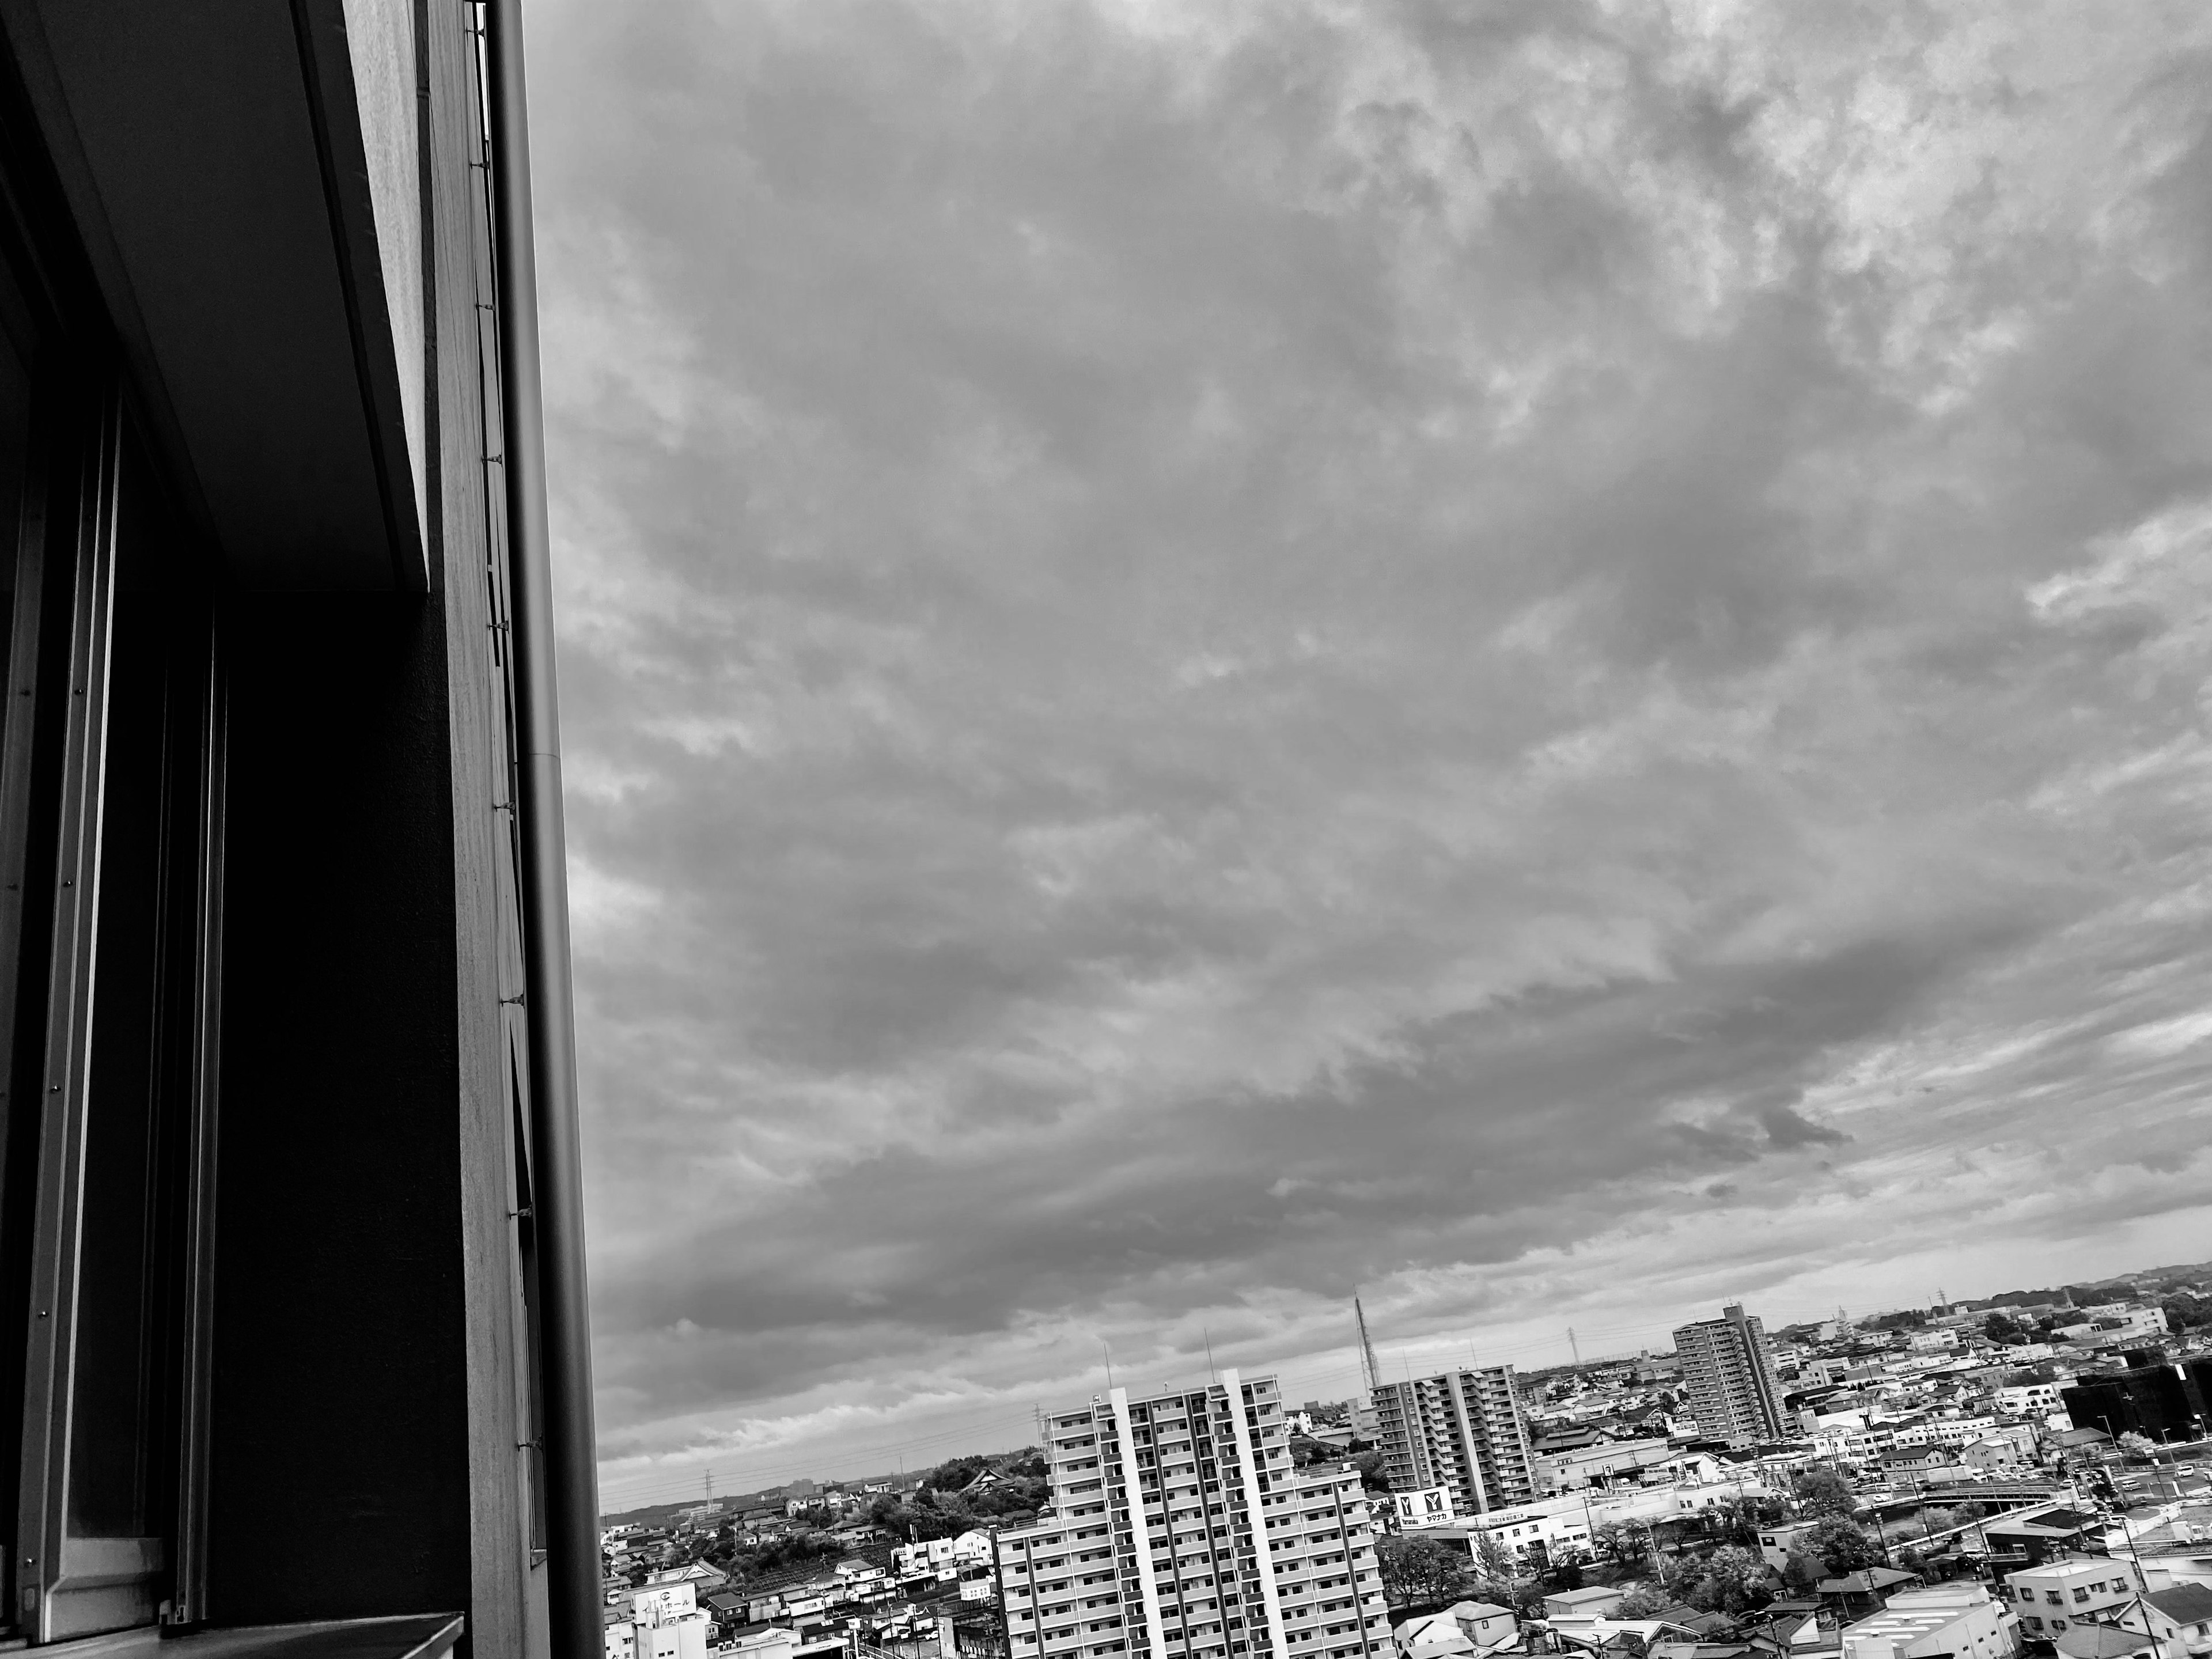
x=56, y=1253
x=189, y=1590
x=570, y=1452
x=327, y=76
x=19, y=709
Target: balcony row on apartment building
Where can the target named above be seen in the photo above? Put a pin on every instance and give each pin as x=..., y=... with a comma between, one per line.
x=1180, y=1529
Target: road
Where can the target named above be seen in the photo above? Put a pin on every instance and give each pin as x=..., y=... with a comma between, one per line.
x=2165, y=1479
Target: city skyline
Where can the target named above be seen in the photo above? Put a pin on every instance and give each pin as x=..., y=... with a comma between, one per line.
x=1543, y=662
x=1335, y=1376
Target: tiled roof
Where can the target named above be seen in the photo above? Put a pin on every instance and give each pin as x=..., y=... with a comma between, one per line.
x=2186, y=1604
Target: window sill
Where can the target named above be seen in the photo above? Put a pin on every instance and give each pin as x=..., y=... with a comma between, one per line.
x=420, y=1636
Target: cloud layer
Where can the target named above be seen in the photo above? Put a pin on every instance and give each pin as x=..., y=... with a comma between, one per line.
x=1547, y=659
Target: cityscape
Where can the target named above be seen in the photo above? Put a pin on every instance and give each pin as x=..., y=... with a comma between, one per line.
x=2026, y=1474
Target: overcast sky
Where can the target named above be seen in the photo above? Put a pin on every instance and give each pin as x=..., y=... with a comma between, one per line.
x=1545, y=660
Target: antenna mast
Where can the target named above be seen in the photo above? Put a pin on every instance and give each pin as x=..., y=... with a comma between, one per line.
x=1370, y=1369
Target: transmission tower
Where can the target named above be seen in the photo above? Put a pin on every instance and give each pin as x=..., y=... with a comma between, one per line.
x=1370, y=1369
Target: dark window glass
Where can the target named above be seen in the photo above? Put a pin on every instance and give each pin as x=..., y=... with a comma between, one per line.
x=122, y=1462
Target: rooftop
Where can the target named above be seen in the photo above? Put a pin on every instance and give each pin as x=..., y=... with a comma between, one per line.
x=1920, y=1612
x=2186, y=1604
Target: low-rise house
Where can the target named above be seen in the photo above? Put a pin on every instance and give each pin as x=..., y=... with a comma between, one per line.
x=1860, y=1594
x=2035, y=1400
x=1596, y=1599
x=2011, y=1447
x=2054, y=1597
x=1792, y=1630
x=1585, y=1634
x=2027, y=1538
x=1947, y=1621
x=1465, y=1630
x=761, y=1642
x=2168, y=1624
x=1927, y=1461
x=2180, y=1616
x=702, y=1575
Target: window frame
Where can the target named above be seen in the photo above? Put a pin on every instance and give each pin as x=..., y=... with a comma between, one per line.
x=66, y=1583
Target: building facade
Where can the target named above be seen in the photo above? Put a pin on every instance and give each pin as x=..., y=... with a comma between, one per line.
x=292, y=1301
x=2051, y=1599
x=1462, y=1430
x=1728, y=1374
x=2157, y=1399
x=1943, y=1621
x=1180, y=1530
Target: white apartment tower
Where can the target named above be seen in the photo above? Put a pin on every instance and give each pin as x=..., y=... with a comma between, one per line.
x=1179, y=1530
x=1461, y=1430
x=1728, y=1371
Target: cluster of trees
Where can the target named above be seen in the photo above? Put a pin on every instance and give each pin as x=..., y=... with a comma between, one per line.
x=942, y=1506
x=790, y=1549
x=1423, y=1572
x=2186, y=1310
x=1735, y=1579
x=1821, y=1490
x=1731, y=1579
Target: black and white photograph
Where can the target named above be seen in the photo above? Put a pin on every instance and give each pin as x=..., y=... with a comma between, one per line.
x=1106, y=829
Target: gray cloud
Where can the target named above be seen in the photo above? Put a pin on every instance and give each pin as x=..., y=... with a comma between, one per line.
x=1525, y=659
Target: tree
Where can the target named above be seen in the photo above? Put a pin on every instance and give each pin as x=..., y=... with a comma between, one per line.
x=2185, y=1311
x=1840, y=1544
x=2004, y=1330
x=1371, y=1477
x=2041, y=1371
x=1821, y=1490
x=1738, y=1519
x=1731, y=1580
x=1641, y=1603
x=1419, y=1571
x=1935, y=1518
x=1494, y=1565
x=1800, y=1573
x=1619, y=1540
x=2139, y=1448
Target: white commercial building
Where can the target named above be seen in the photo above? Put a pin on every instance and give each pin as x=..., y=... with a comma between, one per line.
x=665, y=1622
x=2037, y=1399
x=1957, y=1621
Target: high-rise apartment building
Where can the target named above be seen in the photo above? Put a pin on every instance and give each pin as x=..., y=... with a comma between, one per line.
x=1180, y=1530
x=1462, y=1430
x=1727, y=1372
